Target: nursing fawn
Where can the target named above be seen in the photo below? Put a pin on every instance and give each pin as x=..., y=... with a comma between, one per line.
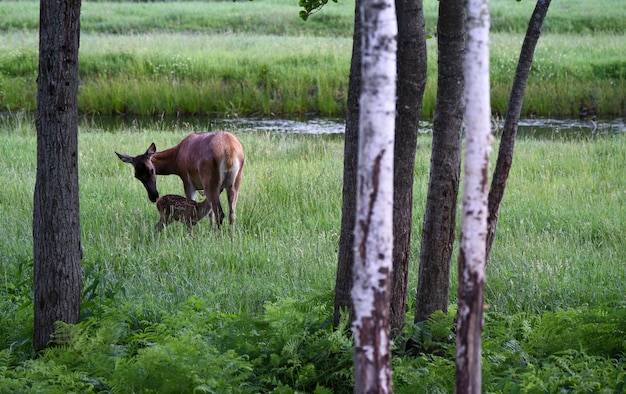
x=212, y=162
x=178, y=208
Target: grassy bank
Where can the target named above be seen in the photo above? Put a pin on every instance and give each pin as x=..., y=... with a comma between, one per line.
x=260, y=58
x=164, y=302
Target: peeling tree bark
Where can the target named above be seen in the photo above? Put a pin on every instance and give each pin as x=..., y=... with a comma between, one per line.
x=373, y=239
x=472, y=256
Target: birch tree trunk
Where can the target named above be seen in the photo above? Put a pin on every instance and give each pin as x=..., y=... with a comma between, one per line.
x=373, y=239
x=472, y=256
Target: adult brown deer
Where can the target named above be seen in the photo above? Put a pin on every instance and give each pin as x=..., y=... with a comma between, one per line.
x=204, y=161
x=173, y=207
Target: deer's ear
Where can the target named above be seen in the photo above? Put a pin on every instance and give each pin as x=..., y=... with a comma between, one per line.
x=125, y=158
x=151, y=150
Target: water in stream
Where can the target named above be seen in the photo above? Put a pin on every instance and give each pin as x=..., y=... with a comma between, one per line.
x=539, y=128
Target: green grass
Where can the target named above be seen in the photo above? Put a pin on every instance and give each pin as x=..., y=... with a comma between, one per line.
x=562, y=221
x=259, y=58
x=555, y=223
x=562, y=194
x=155, y=303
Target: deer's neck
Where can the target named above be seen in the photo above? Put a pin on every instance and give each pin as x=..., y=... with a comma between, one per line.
x=165, y=162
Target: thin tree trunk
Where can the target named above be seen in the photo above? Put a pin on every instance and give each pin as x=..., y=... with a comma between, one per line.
x=474, y=208
x=514, y=109
x=345, y=255
x=445, y=164
x=56, y=226
x=410, y=86
x=374, y=223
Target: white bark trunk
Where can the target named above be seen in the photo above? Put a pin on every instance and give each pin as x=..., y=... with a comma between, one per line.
x=472, y=257
x=373, y=229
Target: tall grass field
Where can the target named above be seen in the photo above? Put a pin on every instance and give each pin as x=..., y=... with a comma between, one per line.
x=260, y=58
x=169, y=312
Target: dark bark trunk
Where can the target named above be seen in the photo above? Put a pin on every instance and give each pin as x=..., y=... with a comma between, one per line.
x=514, y=109
x=410, y=87
x=445, y=166
x=56, y=226
x=345, y=255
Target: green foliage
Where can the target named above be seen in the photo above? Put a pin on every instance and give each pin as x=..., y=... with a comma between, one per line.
x=291, y=347
x=599, y=331
x=577, y=350
x=311, y=7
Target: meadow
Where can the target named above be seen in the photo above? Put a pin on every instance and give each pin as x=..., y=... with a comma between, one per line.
x=168, y=312
x=260, y=58
x=262, y=301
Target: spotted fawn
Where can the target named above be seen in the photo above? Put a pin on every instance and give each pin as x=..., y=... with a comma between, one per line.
x=178, y=208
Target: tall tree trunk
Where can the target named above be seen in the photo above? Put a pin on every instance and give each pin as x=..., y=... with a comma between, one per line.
x=472, y=256
x=56, y=226
x=445, y=164
x=513, y=111
x=345, y=255
x=373, y=239
x=410, y=87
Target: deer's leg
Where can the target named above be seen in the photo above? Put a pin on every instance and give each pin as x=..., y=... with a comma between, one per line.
x=190, y=190
x=216, y=208
x=233, y=194
x=212, y=191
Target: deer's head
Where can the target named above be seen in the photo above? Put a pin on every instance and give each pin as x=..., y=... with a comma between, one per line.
x=144, y=170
